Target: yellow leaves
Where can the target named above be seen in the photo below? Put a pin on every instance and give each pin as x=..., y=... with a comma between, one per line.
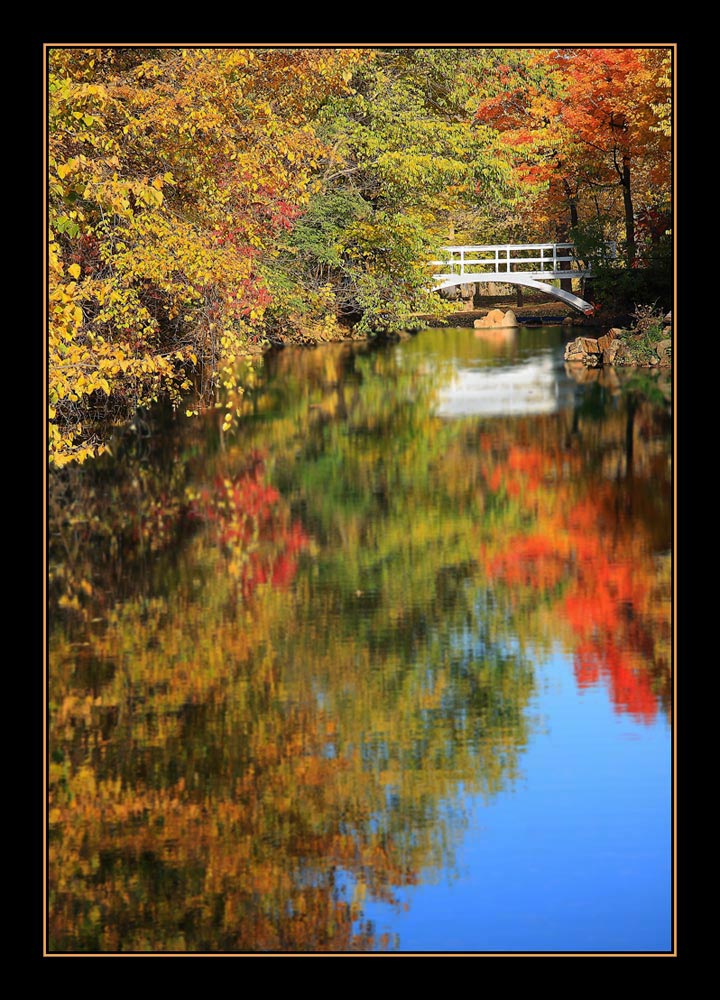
x=71, y=603
x=87, y=119
x=149, y=195
x=145, y=269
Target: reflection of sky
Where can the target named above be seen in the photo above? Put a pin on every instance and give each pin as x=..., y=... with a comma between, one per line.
x=574, y=857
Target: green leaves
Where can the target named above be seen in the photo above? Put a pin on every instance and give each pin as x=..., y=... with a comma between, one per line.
x=70, y=227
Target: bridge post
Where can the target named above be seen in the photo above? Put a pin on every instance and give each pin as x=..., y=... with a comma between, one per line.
x=565, y=283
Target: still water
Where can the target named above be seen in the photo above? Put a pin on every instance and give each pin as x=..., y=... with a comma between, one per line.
x=386, y=667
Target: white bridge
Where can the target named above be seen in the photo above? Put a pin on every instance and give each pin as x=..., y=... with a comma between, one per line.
x=518, y=263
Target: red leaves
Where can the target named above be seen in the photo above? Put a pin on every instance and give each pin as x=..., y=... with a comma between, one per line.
x=603, y=587
x=630, y=690
x=252, y=526
x=582, y=114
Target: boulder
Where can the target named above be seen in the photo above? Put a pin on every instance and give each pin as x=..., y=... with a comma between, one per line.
x=510, y=319
x=567, y=321
x=610, y=352
x=663, y=349
x=589, y=344
x=584, y=349
x=493, y=319
x=571, y=348
x=607, y=338
x=667, y=319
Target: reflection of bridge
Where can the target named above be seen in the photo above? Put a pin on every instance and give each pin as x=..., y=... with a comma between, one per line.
x=519, y=264
x=525, y=387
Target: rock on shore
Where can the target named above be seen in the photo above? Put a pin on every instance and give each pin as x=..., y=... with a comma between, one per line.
x=617, y=347
x=496, y=318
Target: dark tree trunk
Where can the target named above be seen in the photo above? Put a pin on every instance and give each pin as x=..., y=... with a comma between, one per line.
x=573, y=214
x=566, y=283
x=629, y=214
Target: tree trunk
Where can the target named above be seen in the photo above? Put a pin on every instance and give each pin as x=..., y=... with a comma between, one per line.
x=573, y=214
x=629, y=214
x=566, y=283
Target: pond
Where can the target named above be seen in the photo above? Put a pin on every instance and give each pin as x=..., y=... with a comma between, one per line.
x=385, y=667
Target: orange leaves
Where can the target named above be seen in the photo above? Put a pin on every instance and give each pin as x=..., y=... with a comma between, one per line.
x=607, y=96
x=630, y=685
x=600, y=580
x=570, y=120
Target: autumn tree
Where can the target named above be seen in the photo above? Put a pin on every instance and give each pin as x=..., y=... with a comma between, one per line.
x=171, y=174
x=585, y=125
x=203, y=202
x=411, y=167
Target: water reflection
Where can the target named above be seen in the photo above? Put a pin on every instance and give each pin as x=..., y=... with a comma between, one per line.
x=282, y=658
x=532, y=387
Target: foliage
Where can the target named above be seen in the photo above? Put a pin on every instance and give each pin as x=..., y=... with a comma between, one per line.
x=648, y=320
x=204, y=203
x=587, y=131
x=410, y=164
x=171, y=174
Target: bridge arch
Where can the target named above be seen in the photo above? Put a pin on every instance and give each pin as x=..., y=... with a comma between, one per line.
x=517, y=264
x=518, y=279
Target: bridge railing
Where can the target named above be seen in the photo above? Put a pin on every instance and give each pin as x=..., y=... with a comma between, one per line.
x=537, y=258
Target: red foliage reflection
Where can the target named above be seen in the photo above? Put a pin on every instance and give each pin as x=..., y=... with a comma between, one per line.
x=598, y=582
x=253, y=527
